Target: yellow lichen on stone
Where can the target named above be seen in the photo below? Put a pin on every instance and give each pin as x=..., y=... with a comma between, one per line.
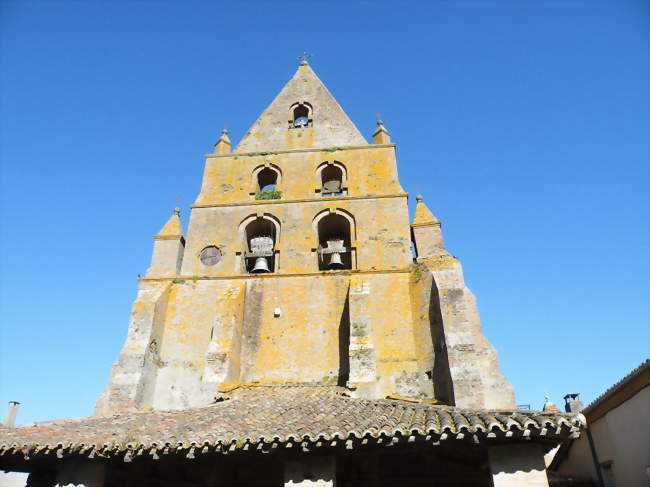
x=173, y=227
x=423, y=215
x=205, y=321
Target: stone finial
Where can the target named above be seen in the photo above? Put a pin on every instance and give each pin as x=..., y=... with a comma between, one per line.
x=173, y=228
x=423, y=215
x=223, y=145
x=381, y=135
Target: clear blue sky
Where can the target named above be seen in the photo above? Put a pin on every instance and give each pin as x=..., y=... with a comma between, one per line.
x=523, y=123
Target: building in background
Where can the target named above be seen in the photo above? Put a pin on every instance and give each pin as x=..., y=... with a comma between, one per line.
x=615, y=450
x=293, y=338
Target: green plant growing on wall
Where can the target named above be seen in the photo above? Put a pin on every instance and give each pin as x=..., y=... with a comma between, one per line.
x=268, y=194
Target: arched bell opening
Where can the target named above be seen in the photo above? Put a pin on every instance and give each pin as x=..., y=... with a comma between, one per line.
x=334, y=242
x=266, y=182
x=267, y=179
x=332, y=179
x=300, y=116
x=260, y=237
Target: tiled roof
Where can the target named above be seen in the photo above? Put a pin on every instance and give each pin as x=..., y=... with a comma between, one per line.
x=257, y=418
x=641, y=369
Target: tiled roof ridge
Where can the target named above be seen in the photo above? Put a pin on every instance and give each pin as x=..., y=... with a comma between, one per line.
x=617, y=385
x=250, y=421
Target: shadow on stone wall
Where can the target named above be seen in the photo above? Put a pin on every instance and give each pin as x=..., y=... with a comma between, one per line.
x=443, y=386
x=344, y=344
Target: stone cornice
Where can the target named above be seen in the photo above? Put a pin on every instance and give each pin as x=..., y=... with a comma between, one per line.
x=274, y=275
x=432, y=224
x=303, y=200
x=289, y=151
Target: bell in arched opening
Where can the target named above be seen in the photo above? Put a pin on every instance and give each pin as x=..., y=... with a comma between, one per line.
x=332, y=254
x=331, y=180
x=259, y=253
x=300, y=116
x=261, y=265
x=334, y=243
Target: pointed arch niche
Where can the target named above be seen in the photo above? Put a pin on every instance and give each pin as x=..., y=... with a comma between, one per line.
x=260, y=237
x=332, y=179
x=335, y=232
x=301, y=115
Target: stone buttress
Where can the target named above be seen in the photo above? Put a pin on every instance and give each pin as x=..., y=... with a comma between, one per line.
x=297, y=268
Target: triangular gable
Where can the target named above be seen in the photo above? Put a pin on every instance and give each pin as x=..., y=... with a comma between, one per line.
x=331, y=126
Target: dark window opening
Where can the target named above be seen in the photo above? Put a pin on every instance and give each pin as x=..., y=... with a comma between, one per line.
x=259, y=254
x=301, y=117
x=334, y=243
x=331, y=180
x=267, y=179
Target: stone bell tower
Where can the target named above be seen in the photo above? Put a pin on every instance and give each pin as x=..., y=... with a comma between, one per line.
x=297, y=268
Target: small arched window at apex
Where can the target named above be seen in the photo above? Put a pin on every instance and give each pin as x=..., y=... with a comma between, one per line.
x=300, y=116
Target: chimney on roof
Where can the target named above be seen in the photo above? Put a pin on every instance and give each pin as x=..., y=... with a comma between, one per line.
x=10, y=413
x=572, y=404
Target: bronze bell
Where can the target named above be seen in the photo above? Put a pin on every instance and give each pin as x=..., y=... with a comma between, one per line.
x=261, y=265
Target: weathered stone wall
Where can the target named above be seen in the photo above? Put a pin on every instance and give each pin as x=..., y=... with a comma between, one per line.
x=473, y=363
x=229, y=179
x=331, y=127
x=217, y=333
x=381, y=243
x=166, y=258
x=199, y=328
x=431, y=350
x=133, y=376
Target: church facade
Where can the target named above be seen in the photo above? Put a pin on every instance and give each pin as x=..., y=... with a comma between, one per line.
x=303, y=332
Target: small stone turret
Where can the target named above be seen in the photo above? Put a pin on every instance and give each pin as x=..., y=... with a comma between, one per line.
x=427, y=233
x=168, y=248
x=223, y=145
x=381, y=135
x=466, y=371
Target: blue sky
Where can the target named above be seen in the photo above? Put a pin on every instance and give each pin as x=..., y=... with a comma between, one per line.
x=523, y=123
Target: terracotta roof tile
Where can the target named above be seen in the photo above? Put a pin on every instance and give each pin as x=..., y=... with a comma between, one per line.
x=261, y=415
x=617, y=386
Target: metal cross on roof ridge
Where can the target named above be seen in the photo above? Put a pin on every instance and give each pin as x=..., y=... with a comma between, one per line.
x=304, y=56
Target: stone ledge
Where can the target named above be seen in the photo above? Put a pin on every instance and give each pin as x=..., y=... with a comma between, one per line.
x=303, y=200
x=311, y=149
x=273, y=275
